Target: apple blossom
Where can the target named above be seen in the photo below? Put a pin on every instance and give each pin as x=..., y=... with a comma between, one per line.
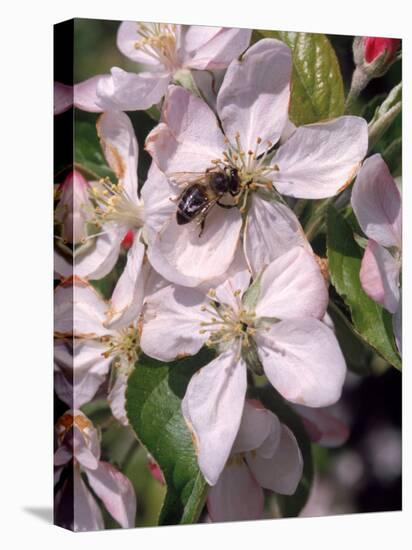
x=274, y=328
x=376, y=201
x=167, y=53
x=78, y=451
x=316, y=161
x=92, y=334
x=265, y=455
x=323, y=426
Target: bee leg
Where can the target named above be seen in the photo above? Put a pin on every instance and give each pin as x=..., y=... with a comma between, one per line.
x=202, y=226
x=225, y=205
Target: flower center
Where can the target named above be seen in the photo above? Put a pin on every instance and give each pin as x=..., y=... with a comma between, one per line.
x=113, y=204
x=227, y=324
x=252, y=167
x=124, y=344
x=158, y=40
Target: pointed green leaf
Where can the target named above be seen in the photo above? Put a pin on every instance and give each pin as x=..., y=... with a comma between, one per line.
x=370, y=320
x=153, y=403
x=317, y=87
x=88, y=156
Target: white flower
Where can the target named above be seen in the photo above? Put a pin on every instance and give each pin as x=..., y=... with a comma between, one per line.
x=282, y=331
x=316, y=161
x=78, y=451
x=167, y=53
x=265, y=455
x=376, y=201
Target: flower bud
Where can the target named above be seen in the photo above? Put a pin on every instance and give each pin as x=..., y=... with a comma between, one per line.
x=375, y=55
x=375, y=47
x=128, y=239
x=72, y=211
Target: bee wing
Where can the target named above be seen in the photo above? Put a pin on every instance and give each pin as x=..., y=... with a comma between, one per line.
x=187, y=178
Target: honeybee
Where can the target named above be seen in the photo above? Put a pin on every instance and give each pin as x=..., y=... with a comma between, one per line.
x=204, y=192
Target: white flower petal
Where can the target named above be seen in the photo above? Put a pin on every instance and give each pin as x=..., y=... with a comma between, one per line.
x=208, y=48
x=254, y=96
x=183, y=257
x=63, y=97
x=120, y=148
x=256, y=426
x=117, y=398
x=123, y=91
x=127, y=37
x=320, y=160
x=376, y=202
x=292, y=286
x=80, y=369
x=188, y=138
x=236, y=496
x=271, y=230
x=87, y=514
x=116, y=492
x=230, y=292
x=323, y=426
x=127, y=298
x=213, y=407
x=85, y=94
x=379, y=276
x=303, y=361
x=283, y=471
x=172, y=323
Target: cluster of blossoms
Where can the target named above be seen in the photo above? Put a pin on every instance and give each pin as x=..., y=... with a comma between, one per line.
x=244, y=281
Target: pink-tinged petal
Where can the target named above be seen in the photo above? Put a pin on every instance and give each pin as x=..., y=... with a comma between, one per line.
x=303, y=361
x=87, y=514
x=157, y=193
x=256, y=426
x=74, y=209
x=95, y=262
x=379, y=276
x=123, y=91
x=85, y=94
x=185, y=258
x=208, y=48
x=230, y=292
x=254, y=96
x=127, y=298
x=320, y=160
x=292, y=286
x=117, y=397
x=116, y=492
x=188, y=138
x=283, y=471
x=79, y=310
x=172, y=323
x=119, y=145
x=63, y=97
x=397, y=326
x=209, y=83
x=376, y=202
x=323, y=427
x=213, y=407
x=236, y=496
x=271, y=230
x=127, y=38
x=80, y=369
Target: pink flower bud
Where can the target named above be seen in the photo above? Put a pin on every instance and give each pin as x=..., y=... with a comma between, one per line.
x=375, y=46
x=128, y=239
x=156, y=471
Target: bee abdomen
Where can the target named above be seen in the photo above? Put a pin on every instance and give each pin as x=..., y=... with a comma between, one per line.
x=191, y=203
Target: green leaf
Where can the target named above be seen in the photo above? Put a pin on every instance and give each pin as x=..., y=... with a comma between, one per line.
x=153, y=403
x=88, y=156
x=317, y=86
x=290, y=506
x=370, y=320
